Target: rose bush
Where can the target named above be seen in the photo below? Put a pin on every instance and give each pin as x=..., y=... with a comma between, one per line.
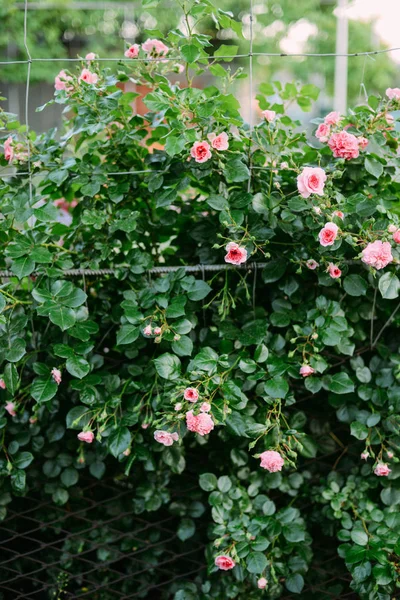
x=264, y=369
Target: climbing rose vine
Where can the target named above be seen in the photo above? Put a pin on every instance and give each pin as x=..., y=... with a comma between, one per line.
x=242, y=376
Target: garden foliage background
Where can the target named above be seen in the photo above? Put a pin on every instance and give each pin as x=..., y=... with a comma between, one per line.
x=149, y=376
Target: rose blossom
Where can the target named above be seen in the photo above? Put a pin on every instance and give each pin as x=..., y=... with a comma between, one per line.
x=339, y=214
x=132, y=51
x=311, y=181
x=88, y=76
x=166, y=438
x=90, y=56
x=56, y=375
x=262, y=583
x=382, y=470
x=389, y=119
x=157, y=330
x=225, y=563
x=205, y=407
x=86, y=436
x=191, y=394
x=148, y=330
x=392, y=228
x=363, y=142
x=317, y=210
x=2, y=384
x=10, y=408
x=393, y=93
x=272, y=461
x=334, y=271
x=8, y=149
x=284, y=165
x=344, y=145
x=364, y=455
x=390, y=454
x=306, y=370
x=220, y=141
x=61, y=80
x=155, y=47
x=269, y=115
x=377, y=254
x=328, y=234
x=332, y=118
x=396, y=236
x=323, y=131
x=178, y=406
x=144, y=425
x=312, y=264
x=236, y=255
x=200, y=151
x=201, y=424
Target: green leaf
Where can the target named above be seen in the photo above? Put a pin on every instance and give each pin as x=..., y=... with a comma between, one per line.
x=23, y=266
x=340, y=383
x=190, y=52
x=389, y=286
x=277, y=387
x=186, y=529
x=256, y=562
x=78, y=417
x=274, y=270
x=127, y=334
x=69, y=477
x=236, y=170
x=208, y=482
x=355, y=285
x=227, y=52
x=22, y=460
x=77, y=366
x=174, y=145
x=359, y=431
x=373, y=166
x=119, y=440
x=16, y=350
x=63, y=317
x=97, y=469
x=43, y=389
x=199, y=290
x=168, y=366
x=3, y=302
x=11, y=378
x=359, y=537
x=183, y=347
x=294, y=583
x=177, y=307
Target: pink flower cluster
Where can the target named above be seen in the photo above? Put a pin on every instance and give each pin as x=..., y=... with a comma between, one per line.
x=343, y=144
x=377, y=254
x=166, y=438
x=63, y=81
x=201, y=151
x=236, y=255
x=272, y=461
x=311, y=181
x=201, y=423
x=393, y=93
x=152, y=47
x=269, y=115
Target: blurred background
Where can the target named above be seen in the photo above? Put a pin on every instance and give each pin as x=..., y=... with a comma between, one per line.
x=62, y=29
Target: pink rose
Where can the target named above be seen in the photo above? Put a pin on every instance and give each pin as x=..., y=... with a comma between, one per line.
x=339, y=214
x=392, y=228
x=262, y=583
x=344, y=145
x=328, y=234
x=166, y=438
x=396, y=236
x=390, y=454
x=132, y=51
x=377, y=254
x=225, y=563
x=389, y=119
x=201, y=424
x=382, y=470
x=312, y=264
x=10, y=408
x=144, y=425
x=157, y=330
x=90, y=56
x=2, y=384
x=269, y=115
x=284, y=165
x=323, y=131
x=147, y=330
x=334, y=271
x=236, y=255
x=220, y=141
x=205, y=407
x=332, y=118
x=272, y=461
x=56, y=375
x=88, y=76
x=86, y=436
x=393, y=93
x=155, y=47
x=311, y=181
x=201, y=152
x=306, y=370
x=363, y=142
x=364, y=455
x=178, y=406
x=317, y=210
x=191, y=394
x=61, y=81
x=8, y=150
